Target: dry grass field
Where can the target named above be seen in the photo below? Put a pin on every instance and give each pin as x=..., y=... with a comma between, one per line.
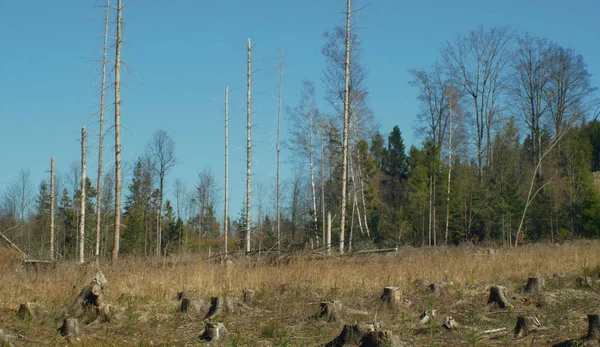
x=142, y=295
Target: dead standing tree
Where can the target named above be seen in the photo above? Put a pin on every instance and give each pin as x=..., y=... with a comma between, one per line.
x=101, y=134
x=82, y=200
x=226, y=208
x=52, y=209
x=278, y=150
x=346, y=126
x=248, y=150
x=115, y=252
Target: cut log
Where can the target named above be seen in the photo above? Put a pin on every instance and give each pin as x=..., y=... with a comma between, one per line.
x=248, y=295
x=426, y=316
x=214, y=332
x=534, y=285
x=526, y=325
x=498, y=296
x=28, y=310
x=70, y=329
x=193, y=305
x=330, y=311
x=391, y=296
x=593, y=328
x=225, y=305
x=352, y=334
x=584, y=282
x=449, y=323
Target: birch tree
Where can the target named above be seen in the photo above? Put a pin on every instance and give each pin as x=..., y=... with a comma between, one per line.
x=226, y=204
x=248, y=150
x=82, y=198
x=52, y=209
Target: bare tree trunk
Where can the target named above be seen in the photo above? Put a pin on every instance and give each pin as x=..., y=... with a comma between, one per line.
x=312, y=175
x=101, y=136
x=115, y=252
x=345, y=132
x=226, y=212
x=430, y=208
x=278, y=149
x=52, y=209
x=354, y=192
x=82, y=202
x=451, y=132
x=328, y=233
x=248, y=148
x=323, y=186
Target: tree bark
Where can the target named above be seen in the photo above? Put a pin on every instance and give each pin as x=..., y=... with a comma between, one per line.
x=345, y=131
x=226, y=209
x=526, y=325
x=52, y=209
x=82, y=202
x=498, y=296
x=214, y=332
x=248, y=153
x=391, y=296
x=594, y=327
x=115, y=252
x=101, y=136
x=534, y=285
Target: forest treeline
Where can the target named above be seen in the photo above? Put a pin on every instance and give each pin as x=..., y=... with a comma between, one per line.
x=508, y=150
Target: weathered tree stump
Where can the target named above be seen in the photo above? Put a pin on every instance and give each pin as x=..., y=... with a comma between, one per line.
x=526, y=325
x=391, y=296
x=28, y=310
x=225, y=304
x=449, y=323
x=214, y=332
x=6, y=340
x=498, y=296
x=593, y=328
x=379, y=338
x=352, y=334
x=331, y=311
x=423, y=284
x=70, y=329
x=426, y=316
x=92, y=294
x=183, y=295
x=193, y=305
x=584, y=282
x=534, y=285
x=248, y=295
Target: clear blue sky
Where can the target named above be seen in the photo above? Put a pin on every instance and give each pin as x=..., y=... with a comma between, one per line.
x=183, y=53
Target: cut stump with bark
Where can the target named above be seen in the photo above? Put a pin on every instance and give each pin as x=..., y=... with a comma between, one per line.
x=29, y=310
x=534, y=285
x=248, y=295
x=225, y=305
x=584, y=282
x=498, y=296
x=593, y=328
x=214, y=332
x=391, y=296
x=449, y=323
x=331, y=311
x=526, y=325
x=426, y=316
x=92, y=294
x=190, y=305
x=70, y=329
x=352, y=334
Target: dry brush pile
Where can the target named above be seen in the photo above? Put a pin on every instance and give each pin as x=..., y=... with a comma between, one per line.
x=539, y=294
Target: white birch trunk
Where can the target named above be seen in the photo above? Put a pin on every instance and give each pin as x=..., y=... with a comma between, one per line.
x=52, y=209
x=323, y=185
x=248, y=160
x=311, y=168
x=226, y=212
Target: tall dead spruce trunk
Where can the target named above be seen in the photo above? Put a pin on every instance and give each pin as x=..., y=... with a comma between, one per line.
x=101, y=135
x=115, y=252
x=226, y=212
x=52, y=209
x=345, y=132
x=278, y=150
x=82, y=202
x=248, y=152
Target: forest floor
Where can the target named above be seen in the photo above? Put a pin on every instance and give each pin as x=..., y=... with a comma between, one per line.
x=289, y=290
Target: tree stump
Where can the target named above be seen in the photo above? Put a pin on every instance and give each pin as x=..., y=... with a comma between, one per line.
x=426, y=316
x=593, y=328
x=534, y=285
x=28, y=310
x=92, y=294
x=391, y=296
x=422, y=284
x=183, y=295
x=330, y=311
x=449, y=323
x=248, y=295
x=526, y=325
x=193, y=305
x=70, y=329
x=214, y=332
x=351, y=335
x=225, y=304
x=498, y=296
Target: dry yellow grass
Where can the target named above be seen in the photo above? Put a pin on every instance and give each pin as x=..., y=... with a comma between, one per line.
x=144, y=292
